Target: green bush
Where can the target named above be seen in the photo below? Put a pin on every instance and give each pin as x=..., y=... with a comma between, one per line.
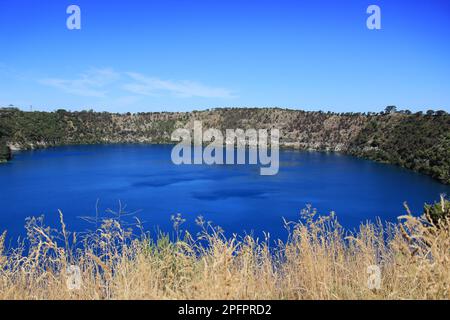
x=437, y=211
x=5, y=152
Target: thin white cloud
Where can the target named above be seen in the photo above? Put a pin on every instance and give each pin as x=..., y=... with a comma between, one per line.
x=150, y=86
x=91, y=83
x=98, y=82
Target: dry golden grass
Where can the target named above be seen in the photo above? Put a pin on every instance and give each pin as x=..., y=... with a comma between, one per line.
x=318, y=261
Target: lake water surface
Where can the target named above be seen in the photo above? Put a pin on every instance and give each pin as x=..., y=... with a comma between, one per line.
x=236, y=197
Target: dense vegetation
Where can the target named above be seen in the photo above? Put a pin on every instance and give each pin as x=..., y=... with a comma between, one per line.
x=420, y=142
x=5, y=152
x=417, y=142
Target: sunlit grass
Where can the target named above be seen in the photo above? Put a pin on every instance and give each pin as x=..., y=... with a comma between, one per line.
x=320, y=260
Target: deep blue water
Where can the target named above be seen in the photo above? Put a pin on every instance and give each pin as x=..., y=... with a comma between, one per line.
x=235, y=197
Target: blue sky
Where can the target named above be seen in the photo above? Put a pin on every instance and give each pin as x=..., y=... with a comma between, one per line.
x=172, y=55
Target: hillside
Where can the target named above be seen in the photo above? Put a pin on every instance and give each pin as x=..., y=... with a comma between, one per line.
x=420, y=142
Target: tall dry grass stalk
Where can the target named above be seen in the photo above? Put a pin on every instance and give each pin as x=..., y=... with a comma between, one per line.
x=318, y=261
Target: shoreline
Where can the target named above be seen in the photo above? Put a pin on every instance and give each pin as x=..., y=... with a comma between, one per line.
x=283, y=146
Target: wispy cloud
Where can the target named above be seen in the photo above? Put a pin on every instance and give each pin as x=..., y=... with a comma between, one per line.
x=149, y=86
x=91, y=83
x=98, y=82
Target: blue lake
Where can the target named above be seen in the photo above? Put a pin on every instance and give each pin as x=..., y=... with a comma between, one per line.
x=236, y=197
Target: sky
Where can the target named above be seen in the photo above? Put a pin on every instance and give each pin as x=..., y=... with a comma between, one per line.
x=168, y=55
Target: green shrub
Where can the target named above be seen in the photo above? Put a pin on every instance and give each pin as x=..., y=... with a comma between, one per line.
x=437, y=211
x=5, y=152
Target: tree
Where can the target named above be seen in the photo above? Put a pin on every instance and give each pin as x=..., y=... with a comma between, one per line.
x=390, y=109
x=5, y=152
